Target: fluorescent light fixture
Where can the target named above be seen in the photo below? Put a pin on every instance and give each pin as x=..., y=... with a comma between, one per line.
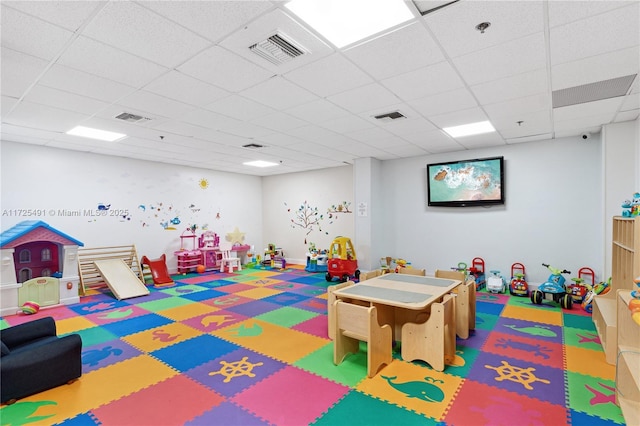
x=469, y=129
x=260, y=163
x=103, y=135
x=344, y=22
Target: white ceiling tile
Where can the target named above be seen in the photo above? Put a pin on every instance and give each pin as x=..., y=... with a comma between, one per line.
x=134, y=29
x=632, y=101
x=28, y=114
x=347, y=123
x=19, y=72
x=508, y=59
x=564, y=12
x=581, y=124
x=311, y=133
x=82, y=83
x=181, y=87
x=43, y=39
x=278, y=93
x=596, y=68
x=247, y=130
x=155, y=104
x=629, y=115
x=540, y=137
x=105, y=61
x=430, y=80
x=606, y=106
x=10, y=129
x=364, y=98
x=279, y=121
x=209, y=119
x=484, y=140
x=433, y=141
x=513, y=87
x=515, y=107
x=211, y=19
x=457, y=118
x=617, y=29
x=318, y=111
x=533, y=123
x=397, y=52
x=371, y=135
x=67, y=14
x=444, y=102
x=329, y=76
x=224, y=69
x=455, y=25
x=7, y=104
x=277, y=139
x=240, y=108
x=64, y=100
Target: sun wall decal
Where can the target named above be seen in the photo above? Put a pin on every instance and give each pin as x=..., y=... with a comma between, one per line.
x=204, y=183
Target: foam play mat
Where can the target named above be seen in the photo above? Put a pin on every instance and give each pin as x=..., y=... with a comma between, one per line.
x=251, y=348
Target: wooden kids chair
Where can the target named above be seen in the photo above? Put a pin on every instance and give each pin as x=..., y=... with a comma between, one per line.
x=465, y=302
x=227, y=260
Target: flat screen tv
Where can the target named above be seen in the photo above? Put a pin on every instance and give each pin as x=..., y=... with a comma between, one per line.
x=466, y=183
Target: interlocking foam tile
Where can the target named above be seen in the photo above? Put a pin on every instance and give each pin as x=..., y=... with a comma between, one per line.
x=285, y=298
x=225, y=302
x=485, y=321
x=187, y=311
x=525, y=348
x=578, y=321
x=286, y=316
x=523, y=377
x=263, y=273
x=578, y=418
x=99, y=356
x=288, y=286
x=235, y=288
x=262, y=282
x=476, y=339
x=226, y=413
x=214, y=320
x=57, y=313
x=590, y=362
x=462, y=362
x=200, y=296
x=593, y=395
x=484, y=296
x=197, y=279
x=163, y=304
x=315, y=304
x=161, y=337
x=316, y=326
x=278, y=342
x=235, y=371
x=103, y=386
x=134, y=325
x=544, y=316
x=550, y=333
x=95, y=335
x=415, y=387
x=184, y=398
x=116, y=314
x=239, y=278
x=87, y=308
x=480, y=404
x=201, y=349
x=154, y=295
x=582, y=338
x=357, y=408
x=349, y=372
x=253, y=308
x=74, y=324
x=301, y=397
x=490, y=308
x=181, y=290
x=258, y=293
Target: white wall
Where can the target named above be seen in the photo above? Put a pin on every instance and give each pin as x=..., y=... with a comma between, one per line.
x=53, y=181
x=552, y=213
x=282, y=197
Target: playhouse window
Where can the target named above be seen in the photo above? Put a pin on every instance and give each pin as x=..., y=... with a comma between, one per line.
x=46, y=272
x=25, y=274
x=45, y=255
x=25, y=256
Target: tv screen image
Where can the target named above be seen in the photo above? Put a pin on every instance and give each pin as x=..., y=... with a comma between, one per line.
x=467, y=183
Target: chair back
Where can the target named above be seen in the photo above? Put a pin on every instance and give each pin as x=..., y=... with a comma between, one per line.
x=412, y=271
x=452, y=275
x=225, y=248
x=368, y=275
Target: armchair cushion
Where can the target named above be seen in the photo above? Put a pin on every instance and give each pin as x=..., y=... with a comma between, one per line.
x=44, y=362
x=5, y=349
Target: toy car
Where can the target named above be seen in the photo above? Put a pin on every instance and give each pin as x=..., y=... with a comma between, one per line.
x=518, y=286
x=579, y=289
x=477, y=272
x=495, y=283
x=342, y=262
x=554, y=287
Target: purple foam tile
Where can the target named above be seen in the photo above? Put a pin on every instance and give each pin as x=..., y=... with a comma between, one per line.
x=226, y=413
x=235, y=371
x=286, y=298
x=154, y=295
x=214, y=320
x=546, y=332
x=476, y=339
x=226, y=301
x=107, y=353
x=313, y=304
x=525, y=378
x=256, y=307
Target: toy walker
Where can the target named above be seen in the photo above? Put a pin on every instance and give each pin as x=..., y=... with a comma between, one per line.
x=553, y=287
x=579, y=289
x=496, y=283
x=518, y=285
x=476, y=271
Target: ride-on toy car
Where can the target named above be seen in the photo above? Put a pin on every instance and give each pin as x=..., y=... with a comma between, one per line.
x=518, y=285
x=554, y=287
x=477, y=272
x=580, y=287
x=495, y=283
x=342, y=262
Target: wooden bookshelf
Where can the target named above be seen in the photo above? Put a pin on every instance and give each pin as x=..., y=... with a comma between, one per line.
x=628, y=361
x=625, y=266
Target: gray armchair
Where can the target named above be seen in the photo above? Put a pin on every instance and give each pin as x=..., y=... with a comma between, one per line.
x=35, y=359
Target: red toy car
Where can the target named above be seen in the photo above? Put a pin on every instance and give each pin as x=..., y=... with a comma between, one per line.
x=518, y=285
x=342, y=263
x=578, y=290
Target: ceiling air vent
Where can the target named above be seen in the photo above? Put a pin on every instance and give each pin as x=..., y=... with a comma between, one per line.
x=131, y=118
x=390, y=116
x=277, y=49
x=597, y=91
x=253, y=146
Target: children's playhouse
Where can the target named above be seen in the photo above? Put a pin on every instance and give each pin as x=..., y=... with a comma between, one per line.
x=39, y=264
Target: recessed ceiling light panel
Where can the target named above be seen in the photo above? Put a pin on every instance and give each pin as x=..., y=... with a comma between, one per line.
x=470, y=129
x=260, y=163
x=344, y=22
x=103, y=135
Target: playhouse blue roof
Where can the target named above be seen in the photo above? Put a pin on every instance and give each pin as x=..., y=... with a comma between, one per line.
x=27, y=226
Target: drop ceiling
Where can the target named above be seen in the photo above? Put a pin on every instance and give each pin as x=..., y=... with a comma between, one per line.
x=186, y=67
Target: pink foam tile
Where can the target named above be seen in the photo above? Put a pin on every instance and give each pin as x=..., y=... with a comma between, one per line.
x=290, y=396
x=56, y=312
x=171, y=402
x=316, y=326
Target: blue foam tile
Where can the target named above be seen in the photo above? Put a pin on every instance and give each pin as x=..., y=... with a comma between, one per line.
x=201, y=349
x=137, y=324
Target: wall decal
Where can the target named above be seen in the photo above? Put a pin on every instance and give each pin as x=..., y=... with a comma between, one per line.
x=307, y=218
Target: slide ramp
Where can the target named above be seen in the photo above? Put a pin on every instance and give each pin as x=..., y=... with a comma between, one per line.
x=122, y=281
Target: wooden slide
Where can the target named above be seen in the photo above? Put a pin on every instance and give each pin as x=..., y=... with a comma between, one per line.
x=122, y=281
